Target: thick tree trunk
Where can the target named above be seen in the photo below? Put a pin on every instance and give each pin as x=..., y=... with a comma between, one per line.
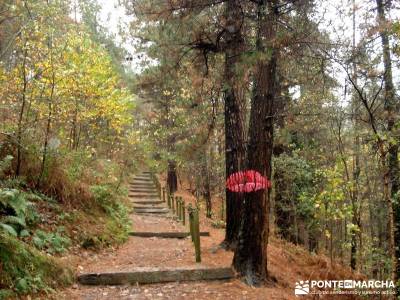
x=172, y=179
x=250, y=258
x=234, y=145
x=392, y=177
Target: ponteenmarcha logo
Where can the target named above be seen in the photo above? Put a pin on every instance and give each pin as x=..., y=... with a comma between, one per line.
x=302, y=288
x=336, y=286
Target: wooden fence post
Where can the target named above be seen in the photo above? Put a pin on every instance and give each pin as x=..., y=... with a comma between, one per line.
x=196, y=235
x=183, y=212
x=190, y=212
x=176, y=205
x=163, y=194
x=178, y=211
x=173, y=203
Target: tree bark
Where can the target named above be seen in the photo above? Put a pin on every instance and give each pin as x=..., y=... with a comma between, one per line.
x=356, y=157
x=172, y=179
x=250, y=258
x=21, y=115
x=234, y=142
x=392, y=176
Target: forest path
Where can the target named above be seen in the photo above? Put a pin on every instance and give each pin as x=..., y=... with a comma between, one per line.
x=151, y=215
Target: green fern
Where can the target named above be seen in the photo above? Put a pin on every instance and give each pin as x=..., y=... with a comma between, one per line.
x=5, y=164
x=14, y=220
x=15, y=199
x=8, y=229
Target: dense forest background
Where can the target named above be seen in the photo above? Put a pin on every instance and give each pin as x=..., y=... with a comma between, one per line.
x=306, y=92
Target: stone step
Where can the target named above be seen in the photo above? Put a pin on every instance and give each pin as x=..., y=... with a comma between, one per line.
x=142, y=190
x=148, y=191
x=142, y=181
x=167, y=235
x=142, y=177
x=144, y=195
x=140, y=184
x=134, y=198
x=148, y=206
x=148, y=275
x=146, y=176
x=151, y=211
x=148, y=202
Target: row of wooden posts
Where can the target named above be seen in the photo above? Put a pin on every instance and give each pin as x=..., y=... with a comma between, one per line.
x=178, y=206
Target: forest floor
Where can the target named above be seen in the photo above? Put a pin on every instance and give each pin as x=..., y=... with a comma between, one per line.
x=287, y=264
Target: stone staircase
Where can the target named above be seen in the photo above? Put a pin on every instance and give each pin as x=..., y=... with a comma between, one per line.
x=144, y=195
x=148, y=207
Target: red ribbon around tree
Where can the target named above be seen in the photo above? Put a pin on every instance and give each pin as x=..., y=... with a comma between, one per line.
x=247, y=182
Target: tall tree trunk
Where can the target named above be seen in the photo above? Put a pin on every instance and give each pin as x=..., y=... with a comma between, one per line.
x=391, y=108
x=356, y=159
x=47, y=133
x=206, y=187
x=234, y=146
x=250, y=258
x=172, y=179
x=21, y=115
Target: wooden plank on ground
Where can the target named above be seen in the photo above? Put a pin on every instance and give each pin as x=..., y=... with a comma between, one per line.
x=167, y=235
x=147, y=276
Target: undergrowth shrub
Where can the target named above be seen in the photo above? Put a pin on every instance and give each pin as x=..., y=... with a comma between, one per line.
x=25, y=270
x=79, y=201
x=51, y=242
x=118, y=223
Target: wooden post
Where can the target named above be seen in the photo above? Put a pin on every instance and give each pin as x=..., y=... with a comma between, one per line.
x=190, y=211
x=183, y=212
x=196, y=235
x=176, y=205
x=180, y=208
x=163, y=194
x=173, y=203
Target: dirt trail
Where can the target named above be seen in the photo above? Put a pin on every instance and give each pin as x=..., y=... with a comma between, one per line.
x=287, y=263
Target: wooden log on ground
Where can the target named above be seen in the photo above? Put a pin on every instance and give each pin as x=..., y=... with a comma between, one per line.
x=147, y=276
x=167, y=235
